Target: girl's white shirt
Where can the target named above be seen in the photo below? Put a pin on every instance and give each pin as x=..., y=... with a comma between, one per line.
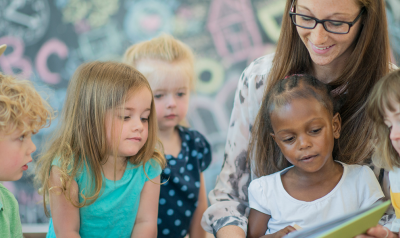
x=358, y=188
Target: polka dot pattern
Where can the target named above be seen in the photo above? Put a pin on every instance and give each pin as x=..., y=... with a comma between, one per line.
x=178, y=198
x=162, y=201
x=165, y=231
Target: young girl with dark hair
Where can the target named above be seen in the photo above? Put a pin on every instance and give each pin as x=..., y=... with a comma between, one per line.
x=295, y=131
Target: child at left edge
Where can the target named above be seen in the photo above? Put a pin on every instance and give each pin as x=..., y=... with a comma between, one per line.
x=22, y=113
x=168, y=65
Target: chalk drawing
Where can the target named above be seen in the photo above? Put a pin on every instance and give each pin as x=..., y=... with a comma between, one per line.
x=189, y=20
x=218, y=108
x=96, y=12
x=82, y=26
x=25, y=19
x=210, y=74
x=15, y=61
x=53, y=46
x=259, y=51
x=267, y=17
x=146, y=19
x=233, y=28
x=73, y=61
x=100, y=42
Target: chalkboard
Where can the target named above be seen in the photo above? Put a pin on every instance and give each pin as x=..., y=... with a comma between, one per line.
x=47, y=40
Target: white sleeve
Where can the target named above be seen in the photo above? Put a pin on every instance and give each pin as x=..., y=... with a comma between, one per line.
x=257, y=199
x=369, y=190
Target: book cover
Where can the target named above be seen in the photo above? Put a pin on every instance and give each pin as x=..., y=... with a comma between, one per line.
x=347, y=226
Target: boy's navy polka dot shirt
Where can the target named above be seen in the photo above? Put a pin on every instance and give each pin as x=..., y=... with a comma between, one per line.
x=179, y=195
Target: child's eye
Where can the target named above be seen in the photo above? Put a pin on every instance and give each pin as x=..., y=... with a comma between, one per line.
x=22, y=137
x=158, y=96
x=145, y=119
x=289, y=139
x=181, y=94
x=124, y=117
x=316, y=131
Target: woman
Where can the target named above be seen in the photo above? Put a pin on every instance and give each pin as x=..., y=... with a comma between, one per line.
x=351, y=58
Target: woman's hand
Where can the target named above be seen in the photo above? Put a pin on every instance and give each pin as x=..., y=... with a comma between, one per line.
x=378, y=232
x=280, y=233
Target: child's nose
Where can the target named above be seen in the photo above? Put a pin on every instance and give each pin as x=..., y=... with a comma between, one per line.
x=32, y=147
x=304, y=142
x=171, y=101
x=138, y=125
x=395, y=132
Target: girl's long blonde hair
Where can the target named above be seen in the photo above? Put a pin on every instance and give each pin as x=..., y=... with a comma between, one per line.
x=80, y=140
x=384, y=96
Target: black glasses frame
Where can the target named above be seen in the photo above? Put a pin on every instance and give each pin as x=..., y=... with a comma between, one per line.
x=291, y=14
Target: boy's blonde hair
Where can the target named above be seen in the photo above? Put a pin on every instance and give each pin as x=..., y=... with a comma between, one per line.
x=165, y=48
x=80, y=140
x=21, y=106
x=384, y=96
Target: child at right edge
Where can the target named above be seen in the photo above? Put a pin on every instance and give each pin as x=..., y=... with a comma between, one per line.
x=383, y=107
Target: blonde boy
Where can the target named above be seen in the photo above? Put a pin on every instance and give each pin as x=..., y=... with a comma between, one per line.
x=22, y=113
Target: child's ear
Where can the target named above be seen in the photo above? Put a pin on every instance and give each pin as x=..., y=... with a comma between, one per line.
x=336, y=125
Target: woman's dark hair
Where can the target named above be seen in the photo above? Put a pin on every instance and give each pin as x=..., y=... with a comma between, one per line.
x=267, y=156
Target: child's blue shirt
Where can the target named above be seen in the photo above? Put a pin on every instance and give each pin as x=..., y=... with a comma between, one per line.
x=179, y=195
x=114, y=212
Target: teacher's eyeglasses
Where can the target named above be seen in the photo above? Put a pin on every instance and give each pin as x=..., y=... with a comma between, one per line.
x=332, y=26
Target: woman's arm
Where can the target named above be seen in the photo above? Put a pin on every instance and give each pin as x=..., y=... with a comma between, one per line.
x=146, y=219
x=229, y=198
x=196, y=231
x=65, y=216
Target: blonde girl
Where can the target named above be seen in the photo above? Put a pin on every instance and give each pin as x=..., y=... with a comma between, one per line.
x=101, y=170
x=383, y=107
x=168, y=65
